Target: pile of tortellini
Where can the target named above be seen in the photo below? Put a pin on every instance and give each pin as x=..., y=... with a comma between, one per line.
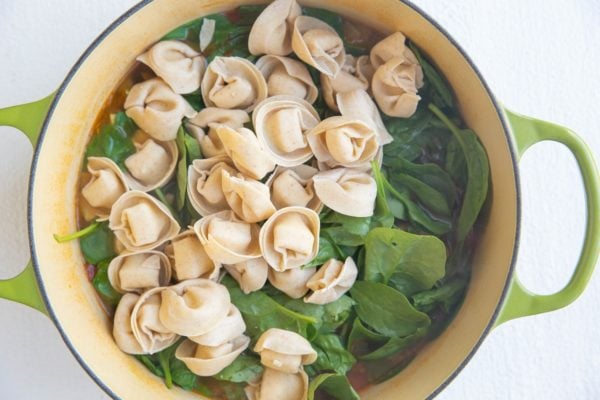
x=270, y=164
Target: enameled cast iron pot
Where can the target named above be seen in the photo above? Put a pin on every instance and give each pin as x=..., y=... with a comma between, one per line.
x=56, y=283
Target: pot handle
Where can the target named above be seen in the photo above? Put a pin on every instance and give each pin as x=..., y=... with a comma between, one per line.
x=520, y=302
x=28, y=118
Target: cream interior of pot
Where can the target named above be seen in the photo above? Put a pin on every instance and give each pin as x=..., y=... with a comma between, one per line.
x=68, y=289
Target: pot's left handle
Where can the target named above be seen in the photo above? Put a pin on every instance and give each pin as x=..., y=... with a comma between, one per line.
x=28, y=118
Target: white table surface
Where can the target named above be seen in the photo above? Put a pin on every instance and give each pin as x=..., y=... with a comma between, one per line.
x=541, y=57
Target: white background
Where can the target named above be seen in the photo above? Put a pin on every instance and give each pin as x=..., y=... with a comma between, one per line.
x=540, y=57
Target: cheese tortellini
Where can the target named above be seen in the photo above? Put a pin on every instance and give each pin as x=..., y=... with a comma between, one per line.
x=294, y=187
x=180, y=66
x=205, y=184
x=136, y=272
x=251, y=275
x=286, y=76
x=284, y=351
x=331, y=281
x=281, y=124
x=107, y=183
x=157, y=109
x=290, y=238
x=272, y=30
x=233, y=82
x=248, y=198
x=140, y=222
x=189, y=259
x=356, y=73
x=205, y=123
x=318, y=44
x=347, y=191
x=152, y=165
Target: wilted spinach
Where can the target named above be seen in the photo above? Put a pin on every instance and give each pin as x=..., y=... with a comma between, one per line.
x=332, y=354
x=245, y=368
x=98, y=245
x=102, y=285
x=335, y=385
x=114, y=140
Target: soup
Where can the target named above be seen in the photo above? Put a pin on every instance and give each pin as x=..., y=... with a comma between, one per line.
x=280, y=203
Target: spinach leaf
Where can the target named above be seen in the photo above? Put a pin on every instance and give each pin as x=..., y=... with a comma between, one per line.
x=195, y=100
x=456, y=165
x=148, y=362
x=332, y=355
x=102, y=284
x=478, y=174
x=443, y=94
x=431, y=184
x=114, y=140
x=164, y=361
x=182, y=167
x=245, y=368
x=387, y=310
x=415, y=262
x=336, y=313
x=182, y=376
x=416, y=214
x=446, y=295
x=337, y=386
x=394, y=345
x=326, y=252
x=192, y=147
x=261, y=312
x=98, y=245
x=362, y=340
x=382, y=216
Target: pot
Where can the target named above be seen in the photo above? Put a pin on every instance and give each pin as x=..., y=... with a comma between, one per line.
x=55, y=282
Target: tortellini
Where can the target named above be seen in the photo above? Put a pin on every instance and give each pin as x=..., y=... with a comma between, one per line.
x=292, y=281
x=140, y=222
x=106, y=185
x=318, y=44
x=180, y=66
x=205, y=184
x=210, y=360
x=284, y=351
x=211, y=118
x=347, y=191
x=356, y=73
x=331, y=281
x=251, y=275
x=189, y=259
x=290, y=238
x=272, y=30
x=397, y=78
x=294, y=187
x=281, y=124
x=194, y=307
x=122, y=331
x=229, y=328
x=279, y=385
x=233, y=82
x=156, y=109
x=286, y=76
x=152, y=165
x=344, y=141
x=227, y=239
x=136, y=272
x=248, y=198
x=147, y=327
x=358, y=104
x=245, y=151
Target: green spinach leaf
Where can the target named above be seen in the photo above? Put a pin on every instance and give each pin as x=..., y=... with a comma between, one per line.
x=446, y=295
x=102, y=284
x=332, y=355
x=456, y=165
x=182, y=167
x=478, y=174
x=387, y=310
x=114, y=140
x=337, y=386
x=336, y=313
x=98, y=245
x=444, y=96
x=326, y=252
x=245, y=368
x=415, y=262
x=261, y=312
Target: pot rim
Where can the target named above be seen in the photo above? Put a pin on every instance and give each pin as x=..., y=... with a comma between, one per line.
x=125, y=16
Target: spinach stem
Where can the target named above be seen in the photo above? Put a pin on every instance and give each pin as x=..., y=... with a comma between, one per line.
x=163, y=358
x=79, y=234
x=449, y=124
x=161, y=196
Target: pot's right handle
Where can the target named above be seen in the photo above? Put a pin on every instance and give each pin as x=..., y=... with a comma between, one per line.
x=520, y=302
x=28, y=118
